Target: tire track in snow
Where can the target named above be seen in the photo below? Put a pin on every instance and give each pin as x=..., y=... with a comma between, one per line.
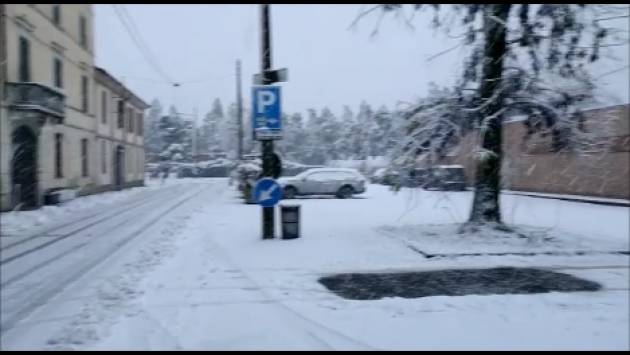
x=73, y=249
x=51, y=241
x=291, y=313
x=114, y=296
x=36, y=300
x=50, y=230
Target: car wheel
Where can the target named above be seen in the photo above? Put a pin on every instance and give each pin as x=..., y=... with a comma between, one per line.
x=345, y=192
x=289, y=192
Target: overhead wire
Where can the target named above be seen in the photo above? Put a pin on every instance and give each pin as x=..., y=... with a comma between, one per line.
x=144, y=50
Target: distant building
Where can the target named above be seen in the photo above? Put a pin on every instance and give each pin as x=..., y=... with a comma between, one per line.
x=119, y=133
x=59, y=118
x=532, y=163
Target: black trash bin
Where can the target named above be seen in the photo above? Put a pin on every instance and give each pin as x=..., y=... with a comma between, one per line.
x=290, y=217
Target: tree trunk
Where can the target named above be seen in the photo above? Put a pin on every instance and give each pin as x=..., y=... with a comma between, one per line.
x=485, y=208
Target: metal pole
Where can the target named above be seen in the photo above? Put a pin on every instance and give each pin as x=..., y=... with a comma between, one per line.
x=195, y=147
x=267, y=145
x=239, y=110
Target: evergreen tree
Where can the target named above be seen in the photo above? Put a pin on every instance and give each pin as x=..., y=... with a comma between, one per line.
x=152, y=139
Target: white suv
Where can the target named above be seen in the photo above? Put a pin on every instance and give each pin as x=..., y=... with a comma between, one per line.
x=342, y=183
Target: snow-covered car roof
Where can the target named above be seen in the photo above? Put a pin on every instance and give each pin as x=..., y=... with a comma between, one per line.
x=331, y=170
x=450, y=166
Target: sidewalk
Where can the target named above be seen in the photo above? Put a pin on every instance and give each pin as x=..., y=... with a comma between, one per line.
x=573, y=198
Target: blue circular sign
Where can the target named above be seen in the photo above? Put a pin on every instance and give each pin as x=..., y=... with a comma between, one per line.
x=267, y=192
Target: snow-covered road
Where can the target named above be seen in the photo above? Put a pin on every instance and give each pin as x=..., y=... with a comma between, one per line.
x=182, y=266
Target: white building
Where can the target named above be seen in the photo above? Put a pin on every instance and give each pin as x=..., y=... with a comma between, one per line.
x=56, y=132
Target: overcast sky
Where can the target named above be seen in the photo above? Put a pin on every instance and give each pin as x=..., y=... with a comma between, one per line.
x=329, y=64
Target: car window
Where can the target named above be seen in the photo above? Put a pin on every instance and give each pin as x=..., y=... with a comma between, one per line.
x=319, y=177
x=328, y=176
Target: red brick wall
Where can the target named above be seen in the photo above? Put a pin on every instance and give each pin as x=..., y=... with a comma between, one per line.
x=603, y=174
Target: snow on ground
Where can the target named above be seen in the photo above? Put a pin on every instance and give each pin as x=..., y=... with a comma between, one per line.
x=217, y=285
x=17, y=222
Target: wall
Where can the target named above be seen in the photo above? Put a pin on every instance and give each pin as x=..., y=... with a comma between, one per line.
x=603, y=174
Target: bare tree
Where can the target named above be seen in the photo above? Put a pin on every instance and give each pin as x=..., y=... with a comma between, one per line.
x=515, y=50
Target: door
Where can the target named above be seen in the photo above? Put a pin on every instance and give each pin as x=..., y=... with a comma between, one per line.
x=119, y=167
x=24, y=169
x=310, y=184
x=322, y=183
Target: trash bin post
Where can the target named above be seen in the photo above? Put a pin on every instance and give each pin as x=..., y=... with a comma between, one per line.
x=290, y=218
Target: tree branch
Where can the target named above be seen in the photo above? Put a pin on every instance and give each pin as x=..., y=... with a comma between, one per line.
x=443, y=52
x=361, y=15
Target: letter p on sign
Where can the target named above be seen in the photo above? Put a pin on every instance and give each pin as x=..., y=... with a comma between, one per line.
x=265, y=98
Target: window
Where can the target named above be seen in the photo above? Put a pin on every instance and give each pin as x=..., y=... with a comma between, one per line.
x=139, y=124
x=329, y=176
x=103, y=157
x=121, y=114
x=130, y=118
x=83, y=32
x=56, y=14
x=84, y=157
x=58, y=155
x=84, y=93
x=58, y=73
x=25, y=60
x=104, y=106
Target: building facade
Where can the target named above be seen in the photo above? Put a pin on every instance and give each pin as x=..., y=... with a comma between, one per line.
x=531, y=163
x=119, y=134
x=51, y=131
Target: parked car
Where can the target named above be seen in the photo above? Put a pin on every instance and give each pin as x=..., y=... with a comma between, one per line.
x=378, y=175
x=442, y=177
x=187, y=171
x=340, y=182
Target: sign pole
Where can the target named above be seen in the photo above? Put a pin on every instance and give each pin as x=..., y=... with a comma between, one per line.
x=239, y=110
x=267, y=145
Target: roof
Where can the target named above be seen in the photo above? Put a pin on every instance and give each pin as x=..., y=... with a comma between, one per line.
x=106, y=79
x=347, y=170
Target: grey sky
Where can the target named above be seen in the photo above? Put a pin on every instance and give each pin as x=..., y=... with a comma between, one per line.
x=329, y=65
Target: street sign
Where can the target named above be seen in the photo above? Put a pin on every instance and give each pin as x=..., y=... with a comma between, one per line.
x=273, y=76
x=267, y=192
x=266, y=112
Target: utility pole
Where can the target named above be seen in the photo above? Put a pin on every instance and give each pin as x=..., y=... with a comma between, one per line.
x=267, y=145
x=195, y=148
x=239, y=110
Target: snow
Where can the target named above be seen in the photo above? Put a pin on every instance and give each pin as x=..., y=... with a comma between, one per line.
x=15, y=222
x=453, y=166
x=202, y=279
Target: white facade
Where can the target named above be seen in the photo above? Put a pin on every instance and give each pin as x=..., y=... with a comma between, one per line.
x=49, y=92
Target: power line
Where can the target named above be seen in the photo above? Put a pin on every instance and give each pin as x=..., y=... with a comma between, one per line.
x=219, y=77
x=148, y=53
x=148, y=80
x=145, y=47
x=127, y=23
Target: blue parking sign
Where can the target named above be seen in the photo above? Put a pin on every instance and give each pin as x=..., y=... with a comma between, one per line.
x=266, y=112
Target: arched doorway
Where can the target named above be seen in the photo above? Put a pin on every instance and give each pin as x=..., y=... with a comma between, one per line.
x=24, y=169
x=119, y=167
